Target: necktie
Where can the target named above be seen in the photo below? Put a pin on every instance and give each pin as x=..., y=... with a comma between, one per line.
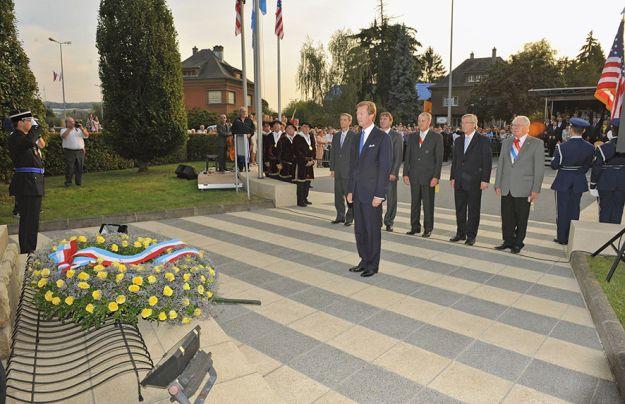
x=362, y=141
x=515, y=149
x=420, y=140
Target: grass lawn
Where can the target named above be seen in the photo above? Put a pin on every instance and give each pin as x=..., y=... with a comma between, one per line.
x=120, y=192
x=615, y=290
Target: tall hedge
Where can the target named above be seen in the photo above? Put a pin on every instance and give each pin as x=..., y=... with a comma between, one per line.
x=141, y=78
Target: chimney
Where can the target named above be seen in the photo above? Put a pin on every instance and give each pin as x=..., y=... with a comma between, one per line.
x=218, y=50
x=194, y=50
x=471, y=56
x=494, y=54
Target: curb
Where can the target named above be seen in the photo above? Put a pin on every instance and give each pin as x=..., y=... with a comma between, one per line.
x=68, y=224
x=608, y=326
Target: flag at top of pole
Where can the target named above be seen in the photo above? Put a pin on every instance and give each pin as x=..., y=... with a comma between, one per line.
x=279, y=27
x=612, y=80
x=239, y=18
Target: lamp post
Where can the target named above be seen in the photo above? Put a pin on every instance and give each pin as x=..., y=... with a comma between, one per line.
x=62, y=72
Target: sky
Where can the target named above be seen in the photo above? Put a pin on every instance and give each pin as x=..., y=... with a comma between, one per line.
x=479, y=25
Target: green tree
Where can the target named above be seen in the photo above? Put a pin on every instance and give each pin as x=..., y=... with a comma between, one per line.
x=199, y=116
x=504, y=92
x=141, y=79
x=306, y=111
x=586, y=68
x=403, y=92
x=312, y=73
x=18, y=87
x=432, y=69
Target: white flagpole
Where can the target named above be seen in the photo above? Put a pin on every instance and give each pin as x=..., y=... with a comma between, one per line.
x=257, y=88
x=243, y=67
x=279, y=84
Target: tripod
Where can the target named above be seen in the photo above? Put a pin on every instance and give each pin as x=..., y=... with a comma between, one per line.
x=620, y=252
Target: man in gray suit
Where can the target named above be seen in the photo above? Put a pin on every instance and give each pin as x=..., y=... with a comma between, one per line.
x=519, y=177
x=422, y=171
x=340, y=157
x=397, y=147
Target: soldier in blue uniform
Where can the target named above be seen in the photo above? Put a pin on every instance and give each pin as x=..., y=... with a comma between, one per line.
x=572, y=159
x=27, y=182
x=608, y=178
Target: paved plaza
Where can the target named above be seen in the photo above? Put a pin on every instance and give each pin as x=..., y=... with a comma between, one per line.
x=440, y=323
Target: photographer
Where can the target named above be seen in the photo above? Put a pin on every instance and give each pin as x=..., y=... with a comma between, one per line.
x=73, y=150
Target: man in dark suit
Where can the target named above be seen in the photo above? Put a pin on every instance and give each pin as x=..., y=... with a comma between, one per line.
x=340, y=157
x=368, y=181
x=397, y=147
x=470, y=175
x=243, y=128
x=422, y=171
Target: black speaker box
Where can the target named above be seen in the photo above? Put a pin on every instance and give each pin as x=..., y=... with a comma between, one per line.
x=186, y=172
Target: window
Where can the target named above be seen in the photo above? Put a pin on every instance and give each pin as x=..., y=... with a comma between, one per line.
x=214, y=97
x=249, y=100
x=454, y=101
x=231, y=98
x=190, y=72
x=474, y=78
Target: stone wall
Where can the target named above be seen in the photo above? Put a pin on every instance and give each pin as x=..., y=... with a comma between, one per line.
x=10, y=287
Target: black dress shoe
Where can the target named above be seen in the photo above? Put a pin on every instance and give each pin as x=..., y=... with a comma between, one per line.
x=559, y=242
x=348, y=223
x=515, y=250
x=457, y=238
x=413, y=232
x=357, y=268
x=426, y=234
x=302, y=204
x=368, y=273
x=335, y=221
x=470, y=241
x=502, y=247
x=389, y=228
x=307, y=202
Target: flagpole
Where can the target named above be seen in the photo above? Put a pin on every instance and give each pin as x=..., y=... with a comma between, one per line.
x=279, y=84
x=257, y=88
x=243, y=67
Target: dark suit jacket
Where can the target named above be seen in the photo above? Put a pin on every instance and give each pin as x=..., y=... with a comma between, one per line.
x=341, y=156
x=369, y=171
x=397, y=146
x=424, y=162
x=470, y=168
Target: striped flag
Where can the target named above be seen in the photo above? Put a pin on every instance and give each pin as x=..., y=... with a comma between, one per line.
x=612, y=81
x=238, y=22
x=279, y=27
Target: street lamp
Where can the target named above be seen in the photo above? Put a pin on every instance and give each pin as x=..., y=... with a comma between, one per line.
x=62, y=72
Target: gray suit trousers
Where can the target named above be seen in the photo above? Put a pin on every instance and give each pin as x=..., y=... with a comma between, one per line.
x=391, y=203
x=340, y=194
x=421, y=193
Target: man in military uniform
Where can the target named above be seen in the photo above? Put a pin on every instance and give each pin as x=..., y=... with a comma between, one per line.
x=572, y=159
x=27, y=182
x=607, y=179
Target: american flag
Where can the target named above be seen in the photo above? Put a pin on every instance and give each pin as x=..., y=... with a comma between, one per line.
x=612, y=81
x=279, y=26
x=237, y=24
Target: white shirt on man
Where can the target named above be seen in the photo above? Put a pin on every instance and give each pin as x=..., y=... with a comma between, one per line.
x=366, y=132
x=467, y=140
x=74, y=140
x=422, y=135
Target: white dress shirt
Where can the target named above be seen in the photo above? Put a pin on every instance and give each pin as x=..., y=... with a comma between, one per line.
x=422, y=135
x=467, y=140
x=74, y=139
x=367, y=131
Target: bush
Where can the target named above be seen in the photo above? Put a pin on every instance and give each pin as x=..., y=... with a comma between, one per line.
x=199, y=145
x=198, y=116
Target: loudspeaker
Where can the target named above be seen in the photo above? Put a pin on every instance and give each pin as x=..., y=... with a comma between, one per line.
x=186, y=172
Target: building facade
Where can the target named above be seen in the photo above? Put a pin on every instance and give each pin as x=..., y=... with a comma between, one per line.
x=211, y=83
x=464, y=77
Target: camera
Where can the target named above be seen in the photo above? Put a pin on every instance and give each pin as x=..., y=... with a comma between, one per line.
x=78, y=124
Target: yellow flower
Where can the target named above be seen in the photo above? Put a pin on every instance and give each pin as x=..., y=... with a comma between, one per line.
x=137, y=244
x=56, y=301
x=151, y=279
x=89, y=308
x=119, y=277
x=113, y=306
x=42, y=282
x=45, y=272
x=152, y=300
x=83, y=276
x=167, y=291
x=169, y=276
x=121, y=267
x=137, y=280
x=48, y=296
x=70, y=273
x=172, y=314
x=99, y=260
x=186, y=286
x=200, y=289
x=186, y=277
x=69, y=300
x=212, y=272
x=197, y=312
x=145, y=313
x=73, y=238
x=146, y=244
x=60, y=283
x=203, y=278
x=162, y=316
x=140, y=239
x=124, y=243
x=186, y=301
x=96, y=294
x=121, y=299
x=99, y=239
x=63, y=241
x=186, y=320
x=134, y=288
x=201, y=254
x=102, y=275
x=82, y=239
x=209, y=294
x=83, y=285
x=114, y=248
x=98, y=267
